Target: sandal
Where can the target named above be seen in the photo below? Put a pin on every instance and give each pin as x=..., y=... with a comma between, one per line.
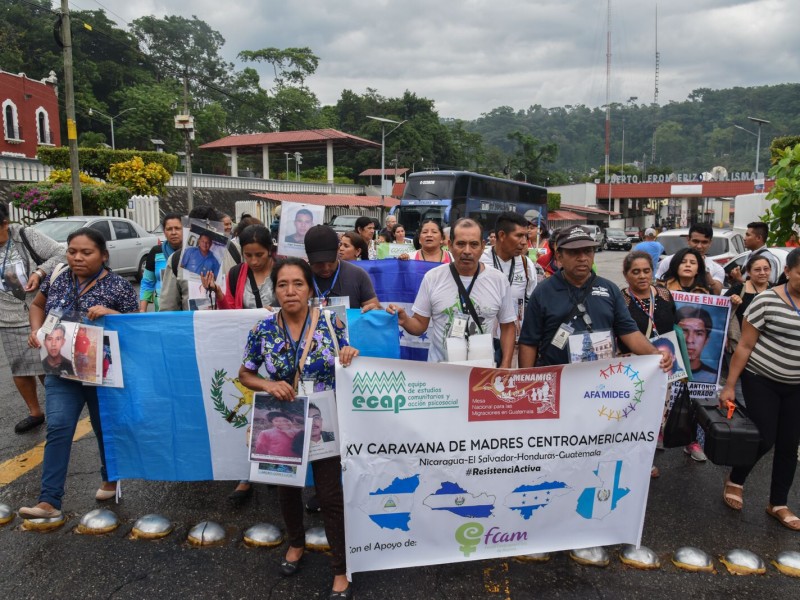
x=732, y=495
x=784, y=516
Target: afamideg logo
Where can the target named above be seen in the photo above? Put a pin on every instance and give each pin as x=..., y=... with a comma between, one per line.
x=379, y=391
x=619, y=392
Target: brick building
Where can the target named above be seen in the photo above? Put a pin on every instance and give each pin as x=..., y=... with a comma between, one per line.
x=29, y=114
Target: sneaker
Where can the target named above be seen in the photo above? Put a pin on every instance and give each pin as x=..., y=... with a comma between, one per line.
x=660, y=442
x=696, y=452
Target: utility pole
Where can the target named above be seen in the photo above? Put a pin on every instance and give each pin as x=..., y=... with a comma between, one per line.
x=188, y=145
x=69, y=97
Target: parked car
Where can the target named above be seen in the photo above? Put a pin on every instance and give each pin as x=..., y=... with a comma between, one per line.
x=633, y=234
x=596, y=233
x=128, y=243
x=615, y=239
x=740, y=259
x=344, y=223
x=725, y=244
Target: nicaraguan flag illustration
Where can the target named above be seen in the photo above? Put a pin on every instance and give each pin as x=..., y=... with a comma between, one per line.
x=182, y=415
x=390, y=507
x=452, y=497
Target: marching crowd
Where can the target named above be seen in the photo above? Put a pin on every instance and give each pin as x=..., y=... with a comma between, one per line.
x=520, y=298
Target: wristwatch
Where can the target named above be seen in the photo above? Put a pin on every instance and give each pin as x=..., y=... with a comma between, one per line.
x=41, y=274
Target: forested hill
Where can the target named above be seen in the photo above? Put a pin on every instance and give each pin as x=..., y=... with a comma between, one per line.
x=692, y=135
x=137, y=73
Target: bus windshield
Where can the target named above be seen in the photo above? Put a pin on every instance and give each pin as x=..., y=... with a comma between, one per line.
x=411, y=217
x=426, y=188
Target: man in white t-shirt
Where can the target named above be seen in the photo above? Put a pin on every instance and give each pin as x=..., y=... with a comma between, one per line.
x=508, y=256
x=441, y=309
x=700, y=235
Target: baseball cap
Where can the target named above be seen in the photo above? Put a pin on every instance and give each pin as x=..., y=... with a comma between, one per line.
x=322, y=244
x=649, y=231
x=574, y=237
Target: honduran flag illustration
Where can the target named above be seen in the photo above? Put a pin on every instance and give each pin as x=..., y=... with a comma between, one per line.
x=182, y=415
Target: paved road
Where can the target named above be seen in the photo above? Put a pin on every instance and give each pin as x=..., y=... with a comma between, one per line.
x=684, y=508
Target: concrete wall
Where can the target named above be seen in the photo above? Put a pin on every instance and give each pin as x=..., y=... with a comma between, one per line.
x=579, y=194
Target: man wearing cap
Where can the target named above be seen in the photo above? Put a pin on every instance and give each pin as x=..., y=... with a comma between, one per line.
x=333, y=278
x=451, y=296
x=574, y=301
x=651, y=246
x=700, y=236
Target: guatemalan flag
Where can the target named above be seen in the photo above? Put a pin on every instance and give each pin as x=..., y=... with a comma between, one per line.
x=182, y=415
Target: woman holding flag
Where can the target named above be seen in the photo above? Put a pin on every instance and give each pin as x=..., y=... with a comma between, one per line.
x=296, y=345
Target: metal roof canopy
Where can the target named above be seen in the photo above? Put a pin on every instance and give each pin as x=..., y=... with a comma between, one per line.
x=290, y=141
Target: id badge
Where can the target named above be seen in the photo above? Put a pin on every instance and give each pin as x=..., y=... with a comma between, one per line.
x=460, y=324
x=561, y=337
x=53, y=319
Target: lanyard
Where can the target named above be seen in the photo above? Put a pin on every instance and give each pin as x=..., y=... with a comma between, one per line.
x=641, y=307
x=79, y=290
x=786, y=291
x=463, y=294
x=324, y=295
x=295, y=346
x=499, y=267
x=579, y=306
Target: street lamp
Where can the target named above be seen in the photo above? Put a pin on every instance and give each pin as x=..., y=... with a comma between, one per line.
x=383, y=122
x=757, y=135
x=110, y=118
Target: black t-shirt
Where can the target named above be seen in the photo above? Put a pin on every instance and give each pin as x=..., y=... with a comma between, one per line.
x=353, y=282
x=663, y=313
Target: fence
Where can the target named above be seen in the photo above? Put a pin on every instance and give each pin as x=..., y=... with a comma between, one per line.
x=143, y=210
x=225, y=182
x=22, y=169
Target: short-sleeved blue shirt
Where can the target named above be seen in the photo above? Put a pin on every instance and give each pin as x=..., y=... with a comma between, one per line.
x=111, y=291
x=551, y=304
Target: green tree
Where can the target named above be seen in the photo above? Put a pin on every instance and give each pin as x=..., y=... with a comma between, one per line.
x=531, y=156
x=784, y=214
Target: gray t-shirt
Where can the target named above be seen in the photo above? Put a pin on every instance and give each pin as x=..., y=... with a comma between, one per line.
x=264, y=291
x=351, y=281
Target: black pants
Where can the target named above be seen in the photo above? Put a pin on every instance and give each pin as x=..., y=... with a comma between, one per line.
x=328, y=483
x=775, y=409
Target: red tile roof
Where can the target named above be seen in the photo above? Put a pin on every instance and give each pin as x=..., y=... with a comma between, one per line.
x=328, y=199
x=309, y=139
x=564, y=215
x=391, y=171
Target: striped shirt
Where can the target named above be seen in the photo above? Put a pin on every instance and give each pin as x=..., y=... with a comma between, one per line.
x=776, y=354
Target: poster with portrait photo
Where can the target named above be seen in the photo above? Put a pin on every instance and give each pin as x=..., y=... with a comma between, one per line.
x=14, y=279
x=296, y=220
x=74, y=351
x=324, y=439
x=203, y=250
x=279, y=437
x=704, y=321
x=669, y=341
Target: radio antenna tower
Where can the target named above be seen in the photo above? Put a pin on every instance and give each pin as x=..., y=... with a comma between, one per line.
x=655, y=96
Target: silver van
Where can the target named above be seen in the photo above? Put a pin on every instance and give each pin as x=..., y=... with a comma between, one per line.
x=597, y=235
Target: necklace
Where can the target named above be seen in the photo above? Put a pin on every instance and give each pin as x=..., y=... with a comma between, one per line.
x=424, y=258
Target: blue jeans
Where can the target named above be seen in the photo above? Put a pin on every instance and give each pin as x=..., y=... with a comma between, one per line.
x=64, y=403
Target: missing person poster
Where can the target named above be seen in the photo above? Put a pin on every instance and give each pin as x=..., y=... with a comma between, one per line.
x=669, y=342
x=73, y=351
x=203, y=250
x=279, y=440
x=296, y=220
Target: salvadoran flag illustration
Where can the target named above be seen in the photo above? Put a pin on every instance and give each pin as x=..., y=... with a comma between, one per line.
x=390, y=507
x=398, y=281
x=182, y=415
x=452, y=497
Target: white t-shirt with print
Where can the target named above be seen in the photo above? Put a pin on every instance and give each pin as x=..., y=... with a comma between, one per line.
x=521, y=286
x=717, y=272
x=437, y=300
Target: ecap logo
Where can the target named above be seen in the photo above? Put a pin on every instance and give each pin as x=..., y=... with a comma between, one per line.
x=379, y=391
x=384, y=403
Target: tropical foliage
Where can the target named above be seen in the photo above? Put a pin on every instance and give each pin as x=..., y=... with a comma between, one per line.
x=46, y=200
x=144, y=179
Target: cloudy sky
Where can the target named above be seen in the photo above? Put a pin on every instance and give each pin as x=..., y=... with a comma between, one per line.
x=471, y=56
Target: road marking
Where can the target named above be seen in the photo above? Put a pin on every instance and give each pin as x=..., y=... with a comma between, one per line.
x=16, y=467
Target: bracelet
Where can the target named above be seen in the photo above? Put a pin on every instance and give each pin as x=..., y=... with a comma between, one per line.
x=41, y=274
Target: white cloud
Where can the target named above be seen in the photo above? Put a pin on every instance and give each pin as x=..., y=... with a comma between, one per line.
x=471, y=56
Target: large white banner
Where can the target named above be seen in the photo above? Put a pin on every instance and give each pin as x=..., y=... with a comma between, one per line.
x=444, y=463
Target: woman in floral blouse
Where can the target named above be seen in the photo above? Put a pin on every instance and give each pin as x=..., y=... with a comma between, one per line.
x=278, y=343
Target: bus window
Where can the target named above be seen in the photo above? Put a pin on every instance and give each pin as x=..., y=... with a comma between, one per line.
x=410, y=217
x=426, y=188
